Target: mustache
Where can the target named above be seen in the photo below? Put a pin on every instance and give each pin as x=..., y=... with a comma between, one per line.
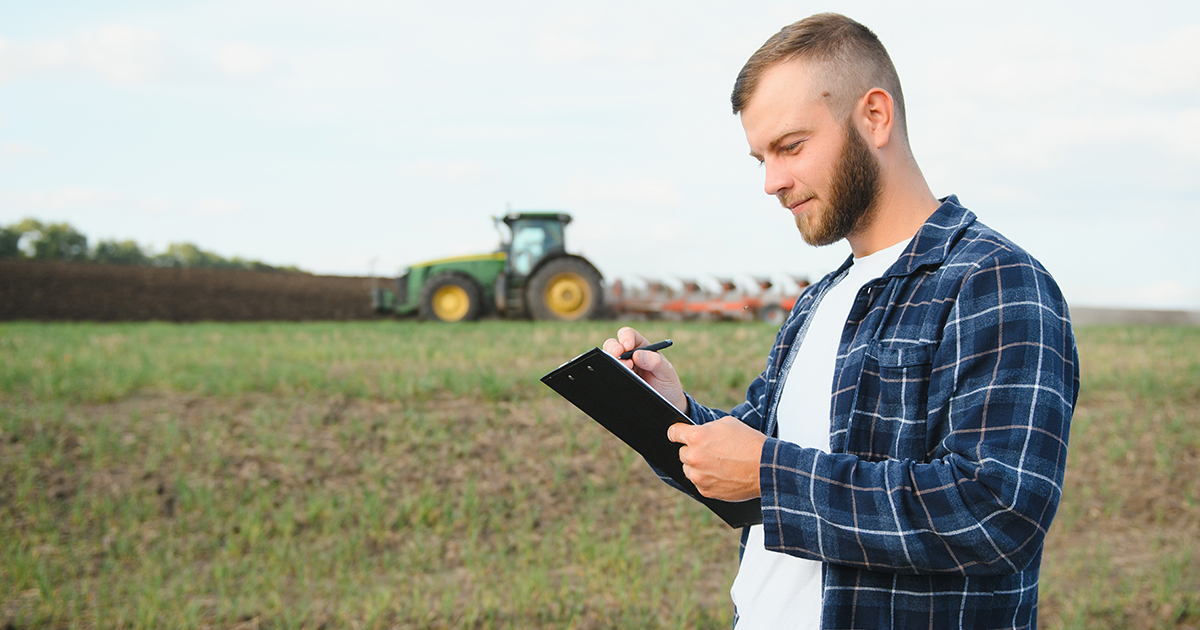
x=792, y=197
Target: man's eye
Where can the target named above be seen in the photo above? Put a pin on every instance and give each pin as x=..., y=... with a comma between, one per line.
x=793, y=147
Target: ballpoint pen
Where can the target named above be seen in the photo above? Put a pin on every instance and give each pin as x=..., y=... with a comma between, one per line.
x=654, y=347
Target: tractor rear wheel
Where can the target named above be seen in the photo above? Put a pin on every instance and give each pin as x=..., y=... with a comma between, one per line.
x=451, y=297
x=565, y=289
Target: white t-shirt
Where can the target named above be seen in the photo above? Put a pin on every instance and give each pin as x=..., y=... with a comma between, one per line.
x=775, y=590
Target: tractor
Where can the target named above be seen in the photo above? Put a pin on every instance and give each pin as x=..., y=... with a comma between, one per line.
x=531, y=275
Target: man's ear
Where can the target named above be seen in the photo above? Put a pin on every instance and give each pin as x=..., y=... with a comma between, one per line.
x=877, y=113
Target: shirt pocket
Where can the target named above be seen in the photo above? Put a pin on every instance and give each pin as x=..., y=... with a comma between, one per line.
x=891, y=402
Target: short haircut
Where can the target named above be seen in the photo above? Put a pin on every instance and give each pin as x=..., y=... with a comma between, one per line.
x=849, y=58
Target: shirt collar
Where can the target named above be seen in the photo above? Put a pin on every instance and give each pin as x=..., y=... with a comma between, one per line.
x=933, y=241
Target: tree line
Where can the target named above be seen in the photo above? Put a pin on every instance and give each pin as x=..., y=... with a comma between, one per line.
x=32, y=239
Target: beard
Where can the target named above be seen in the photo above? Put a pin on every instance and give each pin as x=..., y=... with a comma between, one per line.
x=851, y=199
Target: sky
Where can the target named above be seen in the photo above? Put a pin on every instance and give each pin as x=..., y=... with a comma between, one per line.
x=357, y=136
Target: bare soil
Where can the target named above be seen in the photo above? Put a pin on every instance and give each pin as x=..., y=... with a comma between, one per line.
x=48, y=291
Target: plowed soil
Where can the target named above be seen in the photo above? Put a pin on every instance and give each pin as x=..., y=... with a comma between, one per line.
x=47, y=291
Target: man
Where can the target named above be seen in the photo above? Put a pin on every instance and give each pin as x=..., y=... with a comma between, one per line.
x=909, y=434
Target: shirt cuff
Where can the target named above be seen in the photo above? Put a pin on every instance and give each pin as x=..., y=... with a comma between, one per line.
x=784, y=505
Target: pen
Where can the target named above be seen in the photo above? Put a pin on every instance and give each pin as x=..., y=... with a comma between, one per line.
x=654, y=347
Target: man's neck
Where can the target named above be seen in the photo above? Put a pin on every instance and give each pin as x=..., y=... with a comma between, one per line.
x=902, y=207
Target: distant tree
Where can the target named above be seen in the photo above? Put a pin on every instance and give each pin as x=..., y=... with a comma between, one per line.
x=189, y=255
x=117, y=252
x=10, y=240
x=59, y=241
x=28, y=230
x=182, y=255
x=31, y=238
x=254, y=265
x=27, y=225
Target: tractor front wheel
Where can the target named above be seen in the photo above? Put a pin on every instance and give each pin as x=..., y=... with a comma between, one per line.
x=565, y=289
x=451, y=297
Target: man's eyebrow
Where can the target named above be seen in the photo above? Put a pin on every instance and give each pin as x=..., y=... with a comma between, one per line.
x=775, y=143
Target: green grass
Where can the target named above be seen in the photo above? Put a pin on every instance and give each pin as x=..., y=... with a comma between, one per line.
x=397, y=474
x=1125, y=547
x=82, y=363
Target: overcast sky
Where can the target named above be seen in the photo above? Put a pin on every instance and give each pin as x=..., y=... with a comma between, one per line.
x=327, y=134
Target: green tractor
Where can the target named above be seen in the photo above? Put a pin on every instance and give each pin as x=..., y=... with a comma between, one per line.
x=530, y=275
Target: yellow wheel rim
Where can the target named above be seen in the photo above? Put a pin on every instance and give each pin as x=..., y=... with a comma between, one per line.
x=450, y=303
x=568, y=296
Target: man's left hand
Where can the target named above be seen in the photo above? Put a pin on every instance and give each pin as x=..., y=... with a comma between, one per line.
x=721, y=457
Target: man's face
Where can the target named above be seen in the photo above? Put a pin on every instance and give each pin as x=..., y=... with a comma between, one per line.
x=821, y=171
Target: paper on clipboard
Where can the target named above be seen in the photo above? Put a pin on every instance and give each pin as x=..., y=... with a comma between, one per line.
x=617, y=398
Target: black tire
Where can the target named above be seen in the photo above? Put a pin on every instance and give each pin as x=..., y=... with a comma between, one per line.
x=451, y=297
x=565, y=289
x=773, y=314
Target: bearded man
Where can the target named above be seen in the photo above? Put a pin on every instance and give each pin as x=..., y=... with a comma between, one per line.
x=909, y=434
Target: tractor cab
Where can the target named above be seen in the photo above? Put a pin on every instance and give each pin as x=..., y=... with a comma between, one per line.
x=535, y=235
x=540, y=277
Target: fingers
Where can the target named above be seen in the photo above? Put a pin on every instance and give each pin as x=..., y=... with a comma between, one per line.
x=651, y=366
x=679, y=432
x=721, y=458
x=650, y=361
x=626, y=339
x=631, y=338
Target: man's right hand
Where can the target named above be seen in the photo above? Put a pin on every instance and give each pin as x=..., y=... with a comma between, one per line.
x=653, y=367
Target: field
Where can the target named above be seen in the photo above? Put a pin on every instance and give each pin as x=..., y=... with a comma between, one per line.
x=47, y=290
x=403, y=475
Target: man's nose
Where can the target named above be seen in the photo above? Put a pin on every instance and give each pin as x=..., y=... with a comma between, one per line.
x=777, y=178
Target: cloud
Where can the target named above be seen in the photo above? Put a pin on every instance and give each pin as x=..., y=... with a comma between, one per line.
x=492, y=132
x=1023, y=67
x=452, y=171
x=123, y=54
x=333, y=69
x=1168, y=293
x=13, y=149
x=558, y=47
x=1169, y=66
x=154, y=205
x=1048, y=140
x=639, y=191
x=73, y=197
x=216, y=208
x=11, y=152
x=89, y=200
x=560, y=41
x=20, y=59
x=1165, y=295
x=1060, y=98
x=242, y=61
x=1185, y=136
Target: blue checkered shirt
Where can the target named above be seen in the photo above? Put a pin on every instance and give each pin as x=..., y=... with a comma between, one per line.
x=952, y=397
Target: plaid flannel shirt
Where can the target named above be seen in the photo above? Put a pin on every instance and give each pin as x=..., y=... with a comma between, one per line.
x=953, y=391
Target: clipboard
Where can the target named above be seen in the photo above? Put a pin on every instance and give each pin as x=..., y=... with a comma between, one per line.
x=630, y=409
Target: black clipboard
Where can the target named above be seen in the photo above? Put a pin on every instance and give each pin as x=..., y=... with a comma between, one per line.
x=623, y=403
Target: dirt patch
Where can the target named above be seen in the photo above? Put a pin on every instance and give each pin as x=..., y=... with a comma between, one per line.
x=1122, y=547
x=1083, y=316
x=44, y=290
